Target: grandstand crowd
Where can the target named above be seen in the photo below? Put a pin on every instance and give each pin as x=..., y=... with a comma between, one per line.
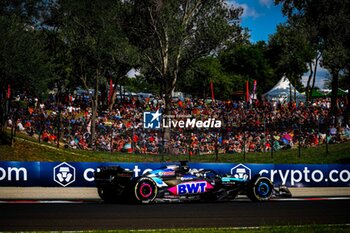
x=257, y=126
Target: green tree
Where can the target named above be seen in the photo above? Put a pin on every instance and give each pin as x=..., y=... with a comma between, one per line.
x=310, y=46
x=97, y=45
x=23, y=59
x=344, y=82
x=174, y=34
x=28, y=12
x=246, y=61
x=197, y=79
x=24, y=63
x=291, y=52
x=332, y=22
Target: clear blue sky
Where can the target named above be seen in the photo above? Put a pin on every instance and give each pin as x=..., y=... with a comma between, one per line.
x=260, y=16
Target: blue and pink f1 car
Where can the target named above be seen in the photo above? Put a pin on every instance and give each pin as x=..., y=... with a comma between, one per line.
x=176, y=183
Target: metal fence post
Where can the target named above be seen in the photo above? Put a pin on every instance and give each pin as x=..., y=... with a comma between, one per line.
x=244, y=145
x=299, y=152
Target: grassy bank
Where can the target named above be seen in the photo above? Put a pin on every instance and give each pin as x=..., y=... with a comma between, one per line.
x=27, y=149
x=275, y=229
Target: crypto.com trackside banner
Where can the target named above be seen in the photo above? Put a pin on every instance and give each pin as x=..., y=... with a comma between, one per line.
x=80, y=174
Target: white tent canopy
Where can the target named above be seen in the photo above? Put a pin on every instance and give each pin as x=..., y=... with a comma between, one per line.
x=282, y=90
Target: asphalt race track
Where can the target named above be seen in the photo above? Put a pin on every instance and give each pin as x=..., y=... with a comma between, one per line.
x=98, y=215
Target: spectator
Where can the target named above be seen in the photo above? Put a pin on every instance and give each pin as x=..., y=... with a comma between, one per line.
x=123, y=125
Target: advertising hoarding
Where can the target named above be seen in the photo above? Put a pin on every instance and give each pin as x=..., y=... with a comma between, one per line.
x=81, y=174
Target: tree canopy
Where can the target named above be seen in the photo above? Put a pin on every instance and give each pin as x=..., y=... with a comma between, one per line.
x=177, y=45
x=330, y=21
x=172, y=35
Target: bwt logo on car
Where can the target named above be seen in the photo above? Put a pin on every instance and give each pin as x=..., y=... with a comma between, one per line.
x=64, y=174
x=190, y=188
x=13, y=173
x=241, y=172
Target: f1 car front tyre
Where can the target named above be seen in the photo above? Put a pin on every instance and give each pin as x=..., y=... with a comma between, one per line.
x=260, y=189
x=145, y=190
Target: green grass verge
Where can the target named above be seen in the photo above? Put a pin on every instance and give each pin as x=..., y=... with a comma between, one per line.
x=27, y=149
x=269, y=229
x=275, y=229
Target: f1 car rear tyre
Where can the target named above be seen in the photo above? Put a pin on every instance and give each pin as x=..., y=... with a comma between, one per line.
x=106, y=194
x=145, y=190
x=260, y=189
